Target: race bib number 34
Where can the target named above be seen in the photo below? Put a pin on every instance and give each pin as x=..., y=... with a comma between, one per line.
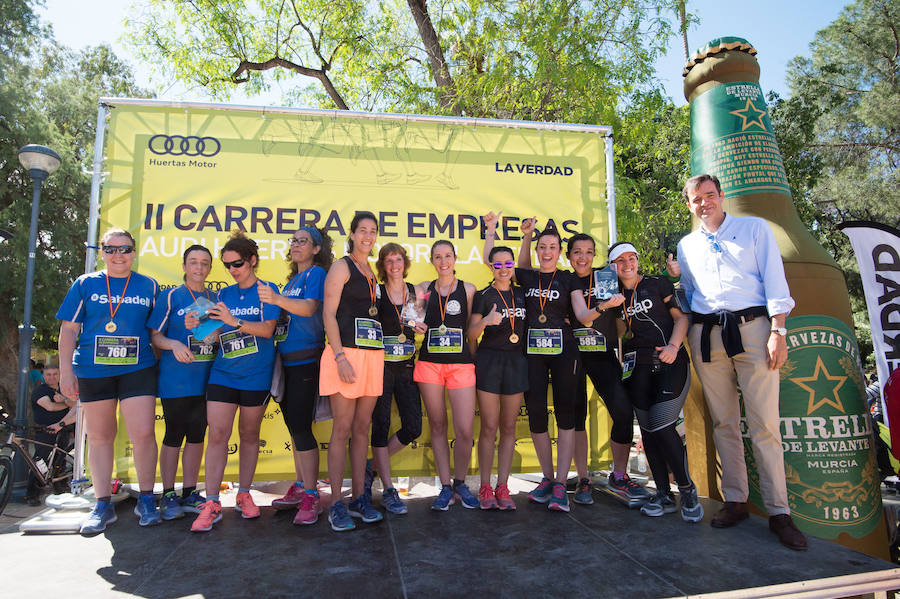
x=545, y=342
x=236, y=344
x=450, y=342
x=116, y=351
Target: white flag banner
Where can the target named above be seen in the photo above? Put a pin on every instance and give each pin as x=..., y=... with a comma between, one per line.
x=877, y=249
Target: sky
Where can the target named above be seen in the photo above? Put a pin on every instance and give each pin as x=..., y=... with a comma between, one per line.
x=778, y=30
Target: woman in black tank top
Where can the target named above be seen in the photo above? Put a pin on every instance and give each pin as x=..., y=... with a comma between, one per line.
x=445, y=363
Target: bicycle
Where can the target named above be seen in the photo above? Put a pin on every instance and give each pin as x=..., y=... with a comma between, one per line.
x=14, y=444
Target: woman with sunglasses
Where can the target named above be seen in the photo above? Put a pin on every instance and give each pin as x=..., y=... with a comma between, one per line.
x=301, y=336
x=597, y=342
x=445, y=364
x=240, y=378
x=106, y=361
x=657, y=378
x=552, y=355
x=184, y=366
x=352, y=368
x=399, y=360
x=501, y=373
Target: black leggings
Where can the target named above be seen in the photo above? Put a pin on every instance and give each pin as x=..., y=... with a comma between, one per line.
x=606, y=376
x=399, y=385
x=185, y=418
x=563, y=371
x=658, y=398
x=301, y=388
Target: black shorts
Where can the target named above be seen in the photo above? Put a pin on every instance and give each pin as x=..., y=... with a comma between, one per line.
x=122, y=386
x=241, y=397
x=501, y=372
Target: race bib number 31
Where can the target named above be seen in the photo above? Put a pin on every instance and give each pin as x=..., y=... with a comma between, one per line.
x=368, y=333
x=116, y=351
x=545, y=342
x=236, y=344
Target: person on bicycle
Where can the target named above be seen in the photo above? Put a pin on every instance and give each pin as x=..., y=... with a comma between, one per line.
x=50, y=409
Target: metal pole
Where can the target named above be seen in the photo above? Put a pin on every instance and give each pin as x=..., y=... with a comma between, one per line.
x=90, y=257
x=26, y=331
x=611, y=188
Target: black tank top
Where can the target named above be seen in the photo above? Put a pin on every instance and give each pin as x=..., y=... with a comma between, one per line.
x=356, y=299
x=605, y=321
x=456, y=316
x=390, y=313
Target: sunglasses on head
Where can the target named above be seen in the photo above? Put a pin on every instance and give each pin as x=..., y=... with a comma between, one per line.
x=234, y=264
x=507, y=264
x=117, y=249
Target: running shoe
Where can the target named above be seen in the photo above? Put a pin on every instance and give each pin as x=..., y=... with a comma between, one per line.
x=691, y=510
x=193, y=503
x=444, y=499
x=627, y=488
x=390, y=499
x=291, y=499
x=362, y=508
x=504, y=501
x=309, y=510
x=170, y=506
x=210, y=513
x=244, y=504
x=104, y=513
x=559, y=501
x=339, y=518
x=584, y=492
x=146, y=510
x=462, y=492
x=486, y=498
x=369, y=479
x=661, y=503
x=541, y=493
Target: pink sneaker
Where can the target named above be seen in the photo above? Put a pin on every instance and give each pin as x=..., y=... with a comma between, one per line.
x=309, y=510
x=290, y=500
x=504, y=501
x=244, y=504
x=210, y=513
x=486, y=499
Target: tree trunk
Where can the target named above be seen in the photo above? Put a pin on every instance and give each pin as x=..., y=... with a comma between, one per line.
x=439, y=68
x=684, y=40
x=9, y=364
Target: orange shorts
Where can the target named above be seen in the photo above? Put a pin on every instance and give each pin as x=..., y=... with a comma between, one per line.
x=368, y=364
x=449, y=376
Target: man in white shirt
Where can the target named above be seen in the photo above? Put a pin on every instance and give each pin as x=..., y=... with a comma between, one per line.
x=733, y=275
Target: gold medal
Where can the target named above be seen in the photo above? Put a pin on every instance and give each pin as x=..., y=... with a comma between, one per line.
x=513, y=338
x=373, y=310
x=110, y=327
x=401, y=338
x=542, y=318
x=628, y=336
x=442, y=329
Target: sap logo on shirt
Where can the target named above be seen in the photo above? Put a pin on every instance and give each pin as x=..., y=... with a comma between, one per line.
x=642, y=306
x=551, y=294
x=254, y=311
x=118, y=299
x=453, y=308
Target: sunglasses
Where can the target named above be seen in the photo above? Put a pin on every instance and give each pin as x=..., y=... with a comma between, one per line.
x=507, y=264
x=300, y=242
x=117, y=249
x=235, y=264
x=713, y=243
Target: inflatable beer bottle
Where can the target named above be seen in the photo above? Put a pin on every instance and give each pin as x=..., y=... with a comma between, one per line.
x=832, y=479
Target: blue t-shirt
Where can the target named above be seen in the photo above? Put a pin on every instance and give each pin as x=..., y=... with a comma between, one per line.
x=177, y=379
x=306, y=334
x=245, y=361
x=101, y=353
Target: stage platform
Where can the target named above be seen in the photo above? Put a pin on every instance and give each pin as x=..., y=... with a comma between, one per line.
x=605, y=550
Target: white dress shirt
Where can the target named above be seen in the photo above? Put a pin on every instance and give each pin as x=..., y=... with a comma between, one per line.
x=737, y=267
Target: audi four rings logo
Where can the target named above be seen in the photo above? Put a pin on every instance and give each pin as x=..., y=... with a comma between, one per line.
x=180, y=145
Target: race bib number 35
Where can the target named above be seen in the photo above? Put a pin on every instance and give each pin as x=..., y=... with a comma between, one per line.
x=116, y=351
x=236, y=344
x=203, y=352
x=395, y=351
x=450, y=342
x=368, y=333
x=545, y=342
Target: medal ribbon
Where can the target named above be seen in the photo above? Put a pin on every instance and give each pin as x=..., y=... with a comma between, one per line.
x=112, y=313
x=403, y=302
x=443, y=305
x=541, y=299
x=369, y=282
x=512, y=313
x=194, y=297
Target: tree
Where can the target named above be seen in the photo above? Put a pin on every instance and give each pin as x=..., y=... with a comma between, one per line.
x=50, y=98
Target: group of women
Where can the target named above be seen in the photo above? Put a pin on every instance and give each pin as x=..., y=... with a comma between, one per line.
x=340, y=333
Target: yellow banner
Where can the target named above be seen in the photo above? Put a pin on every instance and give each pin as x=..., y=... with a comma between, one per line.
x=179, y=175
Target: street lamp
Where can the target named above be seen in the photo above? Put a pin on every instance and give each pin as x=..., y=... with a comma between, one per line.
x=41, y=162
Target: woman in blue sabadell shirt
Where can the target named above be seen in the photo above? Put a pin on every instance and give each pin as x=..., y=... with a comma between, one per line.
x=105, y=360
x=240, y=377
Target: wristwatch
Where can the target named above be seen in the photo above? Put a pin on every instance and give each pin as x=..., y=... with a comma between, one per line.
x=780, y=330
x=240, y=323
